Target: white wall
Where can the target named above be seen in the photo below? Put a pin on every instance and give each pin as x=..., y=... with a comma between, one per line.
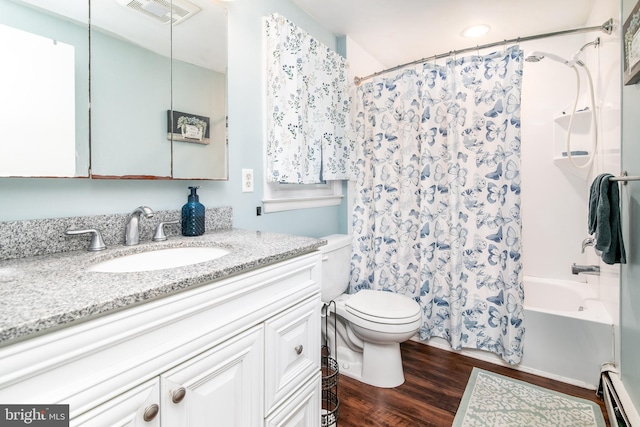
x=361, y=63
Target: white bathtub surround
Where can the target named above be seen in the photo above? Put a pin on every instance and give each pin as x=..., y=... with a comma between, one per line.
x=569, y=334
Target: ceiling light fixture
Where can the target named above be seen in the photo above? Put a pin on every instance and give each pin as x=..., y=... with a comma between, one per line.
x=476, y=31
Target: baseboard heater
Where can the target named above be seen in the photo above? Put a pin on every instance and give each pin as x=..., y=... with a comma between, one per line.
x=620, y=408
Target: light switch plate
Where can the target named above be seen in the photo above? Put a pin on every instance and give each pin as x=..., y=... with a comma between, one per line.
x=247, y=180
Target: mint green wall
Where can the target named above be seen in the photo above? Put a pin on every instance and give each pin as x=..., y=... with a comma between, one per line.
x=630, y=273
x=33, y=198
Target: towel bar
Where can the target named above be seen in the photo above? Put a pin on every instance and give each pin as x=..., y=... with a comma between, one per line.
x=624, y=178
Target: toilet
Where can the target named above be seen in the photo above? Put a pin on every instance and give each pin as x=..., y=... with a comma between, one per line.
x=369, y=325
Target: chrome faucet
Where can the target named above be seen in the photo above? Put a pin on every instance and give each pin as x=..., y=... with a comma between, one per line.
x=132, y=229
x=585, y=269
x=590, y=241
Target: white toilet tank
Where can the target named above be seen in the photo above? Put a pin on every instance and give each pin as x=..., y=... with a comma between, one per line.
x=336, y=266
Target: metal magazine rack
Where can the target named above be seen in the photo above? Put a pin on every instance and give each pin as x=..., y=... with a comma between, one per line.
x=329, y=366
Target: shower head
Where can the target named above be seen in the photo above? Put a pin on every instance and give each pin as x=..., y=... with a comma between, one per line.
x=533, y=58
x=537, y=56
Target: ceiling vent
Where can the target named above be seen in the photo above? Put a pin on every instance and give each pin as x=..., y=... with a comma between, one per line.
x=164, y=11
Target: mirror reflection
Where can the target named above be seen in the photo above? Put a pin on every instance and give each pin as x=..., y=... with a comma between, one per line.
x=199, y=91
x=172, y=60
x=130, y=90
x=150, y=59
x=44, y=81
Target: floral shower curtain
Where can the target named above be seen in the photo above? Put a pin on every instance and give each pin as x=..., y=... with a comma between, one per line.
x=437, y=210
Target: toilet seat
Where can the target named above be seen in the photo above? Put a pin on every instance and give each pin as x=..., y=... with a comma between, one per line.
x=383, y=307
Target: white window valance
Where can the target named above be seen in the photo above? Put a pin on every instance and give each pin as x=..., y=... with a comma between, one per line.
x=308, y=118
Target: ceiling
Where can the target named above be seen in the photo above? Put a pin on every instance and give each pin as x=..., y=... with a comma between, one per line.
x=400, y=31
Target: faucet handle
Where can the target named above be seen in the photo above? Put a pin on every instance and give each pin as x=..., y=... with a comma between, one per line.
x=97, y=244
x=590, y=241
x=159, y=235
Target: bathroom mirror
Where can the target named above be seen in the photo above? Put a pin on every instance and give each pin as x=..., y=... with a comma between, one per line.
x=158, y=89
x=199, y=93
x=44, y=82
x=48, y=128
x=130, y=89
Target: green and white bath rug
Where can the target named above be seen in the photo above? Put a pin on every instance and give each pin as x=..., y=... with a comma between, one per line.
x=498, y=401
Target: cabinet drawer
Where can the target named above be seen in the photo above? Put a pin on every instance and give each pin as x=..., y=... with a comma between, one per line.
x=292, y=351
x=128, y=409
x=301, y=410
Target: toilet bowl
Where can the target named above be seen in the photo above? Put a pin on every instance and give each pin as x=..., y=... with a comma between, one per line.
x=369, y=325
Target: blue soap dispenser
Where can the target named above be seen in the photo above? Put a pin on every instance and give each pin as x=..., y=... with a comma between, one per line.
x=193, y=215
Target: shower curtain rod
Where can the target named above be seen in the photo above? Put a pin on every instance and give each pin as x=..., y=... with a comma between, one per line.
x=607, y=28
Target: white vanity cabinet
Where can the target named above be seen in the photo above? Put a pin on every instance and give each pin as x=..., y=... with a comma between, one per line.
x=242, y=351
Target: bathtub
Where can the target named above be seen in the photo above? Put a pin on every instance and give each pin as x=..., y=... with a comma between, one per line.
x=568, y=336
x=569, y=333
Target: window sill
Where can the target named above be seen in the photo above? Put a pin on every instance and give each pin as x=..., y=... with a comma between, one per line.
x=279, y=205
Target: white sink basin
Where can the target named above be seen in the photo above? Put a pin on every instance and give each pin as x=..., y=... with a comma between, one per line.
x=158, y=260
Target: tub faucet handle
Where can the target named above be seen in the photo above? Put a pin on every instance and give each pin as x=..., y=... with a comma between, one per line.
x=590, y=241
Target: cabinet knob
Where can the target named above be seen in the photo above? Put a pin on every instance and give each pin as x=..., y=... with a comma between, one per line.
x=178, y=395
x=299, y=349
x=150, y=412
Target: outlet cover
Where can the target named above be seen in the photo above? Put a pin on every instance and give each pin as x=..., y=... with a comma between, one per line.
x=247, y=180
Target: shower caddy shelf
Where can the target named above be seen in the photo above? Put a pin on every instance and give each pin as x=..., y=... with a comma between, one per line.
x=330, y=371
x=580, y=129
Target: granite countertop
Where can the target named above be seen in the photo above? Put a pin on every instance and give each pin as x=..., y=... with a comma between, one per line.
x=44, y=292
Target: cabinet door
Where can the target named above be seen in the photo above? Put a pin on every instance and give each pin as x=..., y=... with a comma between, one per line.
x=222, y=386
x=301, y=410
x=138, y=407
x=292, y=351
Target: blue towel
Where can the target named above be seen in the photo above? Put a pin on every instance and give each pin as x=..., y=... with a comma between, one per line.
x=604, y=219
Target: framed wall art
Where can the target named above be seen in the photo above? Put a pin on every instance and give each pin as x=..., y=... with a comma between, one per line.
x=187, y=127
x=631, y=40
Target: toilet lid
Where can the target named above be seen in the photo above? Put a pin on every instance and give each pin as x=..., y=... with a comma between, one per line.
x=383, y=307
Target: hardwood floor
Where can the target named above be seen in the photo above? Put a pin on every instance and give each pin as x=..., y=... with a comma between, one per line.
x=435, y=382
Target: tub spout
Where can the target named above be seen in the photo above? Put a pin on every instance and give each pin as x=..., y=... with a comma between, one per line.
x=585, y=269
